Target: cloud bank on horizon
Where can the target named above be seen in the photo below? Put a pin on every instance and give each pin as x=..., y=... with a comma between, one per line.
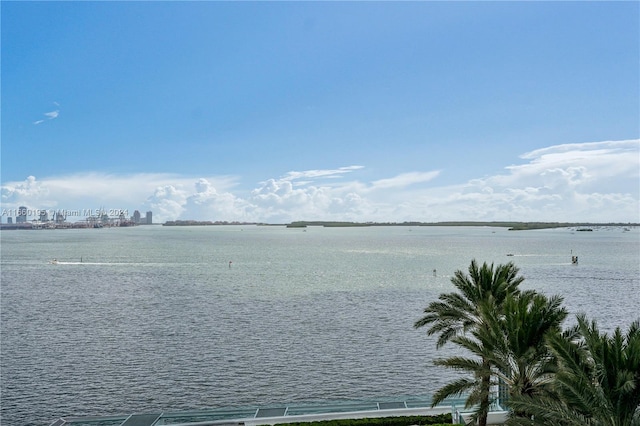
x=577, y=182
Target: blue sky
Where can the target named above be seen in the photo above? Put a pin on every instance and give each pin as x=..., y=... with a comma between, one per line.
x=364, y=111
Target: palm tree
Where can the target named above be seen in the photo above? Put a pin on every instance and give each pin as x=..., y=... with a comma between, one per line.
x=510, y=346
x=478, y=386
x=597, y=382
x=459, y=313
x=515, y=340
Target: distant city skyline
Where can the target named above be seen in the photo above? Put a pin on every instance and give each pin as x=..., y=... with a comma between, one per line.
x=277, y=112
x=24, y=214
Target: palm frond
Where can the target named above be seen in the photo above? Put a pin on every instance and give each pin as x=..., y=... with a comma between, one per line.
x=453, y=389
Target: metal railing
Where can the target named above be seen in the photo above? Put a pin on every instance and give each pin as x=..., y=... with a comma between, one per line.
x=251, y=416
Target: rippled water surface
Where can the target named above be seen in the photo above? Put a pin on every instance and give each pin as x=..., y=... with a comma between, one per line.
x=157, y=318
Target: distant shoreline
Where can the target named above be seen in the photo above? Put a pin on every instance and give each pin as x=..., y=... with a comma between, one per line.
x=512, y=226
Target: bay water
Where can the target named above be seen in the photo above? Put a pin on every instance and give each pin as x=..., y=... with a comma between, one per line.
x=155, y=318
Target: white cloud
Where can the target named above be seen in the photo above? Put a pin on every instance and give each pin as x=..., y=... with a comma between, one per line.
x=207, y=203
x=93, y=191
x=50, y=115
x=597, y=182
x=406, y=179
x=166, y=202
x=583, y=164
x=25, y=190
x=313, y=174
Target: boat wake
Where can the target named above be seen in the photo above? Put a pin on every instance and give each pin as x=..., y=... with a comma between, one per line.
x=58, y=262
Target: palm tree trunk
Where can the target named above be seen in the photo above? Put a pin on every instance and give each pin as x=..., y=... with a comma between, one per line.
x=486, y=388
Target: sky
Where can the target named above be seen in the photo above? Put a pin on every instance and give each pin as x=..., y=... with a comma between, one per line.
x=350, y=111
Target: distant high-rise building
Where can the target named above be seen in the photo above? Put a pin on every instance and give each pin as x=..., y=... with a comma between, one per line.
x=22, y=215
x=136, y=217
x=59, y=217
x=149, y=218
x=9, y=220
x=44, y=216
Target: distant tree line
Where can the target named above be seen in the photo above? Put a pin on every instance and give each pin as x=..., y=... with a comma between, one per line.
x=514, y=226
x=202, y=223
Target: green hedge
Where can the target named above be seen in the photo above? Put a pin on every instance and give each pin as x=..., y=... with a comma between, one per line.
x=440, y=419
